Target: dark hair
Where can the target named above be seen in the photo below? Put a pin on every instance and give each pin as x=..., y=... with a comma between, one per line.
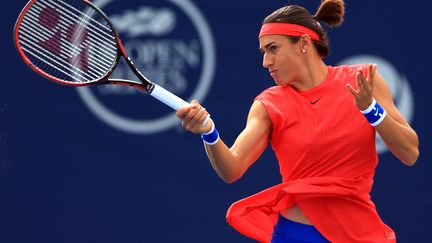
x=330, y=12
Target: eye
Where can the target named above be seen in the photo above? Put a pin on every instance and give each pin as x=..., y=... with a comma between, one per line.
x=273, y=48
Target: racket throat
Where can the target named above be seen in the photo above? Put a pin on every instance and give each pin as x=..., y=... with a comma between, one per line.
x=148, y=87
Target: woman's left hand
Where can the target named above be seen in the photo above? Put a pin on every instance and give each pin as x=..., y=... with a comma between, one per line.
x=364, y=94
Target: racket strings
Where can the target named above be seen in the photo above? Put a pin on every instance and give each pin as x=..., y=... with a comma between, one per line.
x=51, y=45
x=48, y=51
x=76, y=36
x=66, y=41
x=75, y=17
x=73, y=50
x=84, y=19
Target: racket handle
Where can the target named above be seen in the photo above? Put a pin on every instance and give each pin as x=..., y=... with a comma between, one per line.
x=172, y=100
x=168, y=98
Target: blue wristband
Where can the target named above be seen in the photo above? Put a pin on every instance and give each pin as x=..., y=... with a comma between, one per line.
x=375, y=114
x=212, y=136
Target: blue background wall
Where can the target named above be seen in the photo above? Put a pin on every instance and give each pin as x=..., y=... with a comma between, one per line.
x=67, y=176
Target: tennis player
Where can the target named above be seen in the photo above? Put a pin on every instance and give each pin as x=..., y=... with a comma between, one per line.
x=321, y=121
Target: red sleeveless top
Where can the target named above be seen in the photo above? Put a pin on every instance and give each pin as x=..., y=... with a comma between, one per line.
x=327, y=159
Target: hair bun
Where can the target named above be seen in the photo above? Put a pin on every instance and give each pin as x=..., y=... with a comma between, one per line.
x=331, y=12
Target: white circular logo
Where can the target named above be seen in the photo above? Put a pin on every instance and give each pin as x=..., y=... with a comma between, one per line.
x=161, y=44
x=398, y=84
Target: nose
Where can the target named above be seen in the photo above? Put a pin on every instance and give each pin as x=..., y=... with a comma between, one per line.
x=267, y=60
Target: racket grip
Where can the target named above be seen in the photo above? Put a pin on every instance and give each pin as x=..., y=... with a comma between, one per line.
x=172, y=100
x=168, y=98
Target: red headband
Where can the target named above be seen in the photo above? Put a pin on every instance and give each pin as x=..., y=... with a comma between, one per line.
x=287, y=29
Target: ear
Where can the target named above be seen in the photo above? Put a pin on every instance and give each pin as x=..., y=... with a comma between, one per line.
x=305, y=43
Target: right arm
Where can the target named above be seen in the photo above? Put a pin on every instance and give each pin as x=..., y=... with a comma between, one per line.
x=231, y=163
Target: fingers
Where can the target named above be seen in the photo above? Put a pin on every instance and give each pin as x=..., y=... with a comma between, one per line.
x=360, y=81
x=182, y=112
x=351, y=90
x=192, y=117
x=195, y=102
x=366, y=85
x=372, y=70
x=364, y=94
x=200, y=117
x=199, y=114
x=191, y=114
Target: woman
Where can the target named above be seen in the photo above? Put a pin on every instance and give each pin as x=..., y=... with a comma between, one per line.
x=321, y=122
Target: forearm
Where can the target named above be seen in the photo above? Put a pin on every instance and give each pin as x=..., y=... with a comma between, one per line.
x=225, y=162
x=395, y=131
x=229, y=163
x=400, y=139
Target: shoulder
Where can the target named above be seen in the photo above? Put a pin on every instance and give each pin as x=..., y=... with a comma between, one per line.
x=347, y=70
x=259, y=110
x=346, y=74
x=276, y=98
x=273, y=104
x=272, y=93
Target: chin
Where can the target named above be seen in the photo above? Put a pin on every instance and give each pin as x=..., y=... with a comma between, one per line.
x=281, y=83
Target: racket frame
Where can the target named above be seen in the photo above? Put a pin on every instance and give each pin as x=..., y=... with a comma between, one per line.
x=145, y=83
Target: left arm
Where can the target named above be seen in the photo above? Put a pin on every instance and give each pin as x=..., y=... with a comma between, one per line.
x=395, y=131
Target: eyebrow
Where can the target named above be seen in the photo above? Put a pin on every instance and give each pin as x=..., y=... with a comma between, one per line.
x=267, y=45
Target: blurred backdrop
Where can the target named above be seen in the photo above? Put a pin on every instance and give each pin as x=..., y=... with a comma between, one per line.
x=110, y=164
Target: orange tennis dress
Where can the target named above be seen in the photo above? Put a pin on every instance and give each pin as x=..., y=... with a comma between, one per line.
x=327, y=159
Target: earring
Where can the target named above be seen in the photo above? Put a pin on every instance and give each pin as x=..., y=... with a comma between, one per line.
x=304, y=51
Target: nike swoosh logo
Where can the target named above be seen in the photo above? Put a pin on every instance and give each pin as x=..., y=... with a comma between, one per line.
x=313, y=102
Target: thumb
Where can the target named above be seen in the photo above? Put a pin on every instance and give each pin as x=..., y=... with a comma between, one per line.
x=180, y=113
x=195, y=102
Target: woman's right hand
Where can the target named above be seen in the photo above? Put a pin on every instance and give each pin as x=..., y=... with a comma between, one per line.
x=193, y=116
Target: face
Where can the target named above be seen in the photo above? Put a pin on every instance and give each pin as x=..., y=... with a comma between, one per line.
x=282, y=58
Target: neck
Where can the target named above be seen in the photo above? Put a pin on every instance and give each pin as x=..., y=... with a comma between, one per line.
x=315, y=72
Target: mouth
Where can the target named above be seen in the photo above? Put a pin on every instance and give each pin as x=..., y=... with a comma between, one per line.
x=273, y=72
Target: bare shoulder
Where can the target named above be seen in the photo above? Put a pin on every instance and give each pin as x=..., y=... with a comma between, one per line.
x=258, y=112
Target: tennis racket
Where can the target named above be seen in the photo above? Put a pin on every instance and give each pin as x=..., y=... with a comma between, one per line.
x=72, y=42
